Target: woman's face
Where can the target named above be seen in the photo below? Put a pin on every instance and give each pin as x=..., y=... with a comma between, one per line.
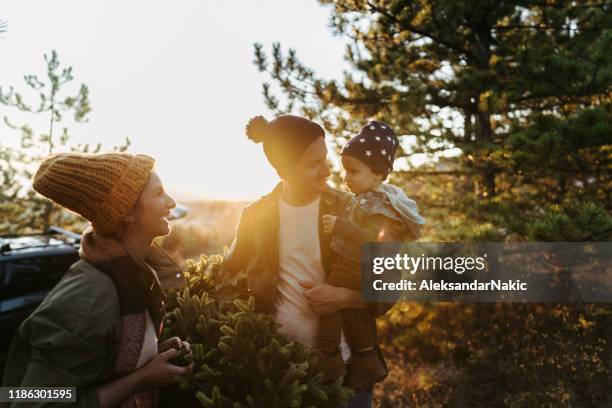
x=153, y=208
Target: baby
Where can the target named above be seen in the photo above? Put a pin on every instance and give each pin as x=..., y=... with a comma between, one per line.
x=379, y=212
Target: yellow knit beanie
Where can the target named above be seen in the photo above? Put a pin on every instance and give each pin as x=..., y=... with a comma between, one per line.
x=103, y=188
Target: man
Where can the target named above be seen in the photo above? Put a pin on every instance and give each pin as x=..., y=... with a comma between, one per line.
x=280, y=241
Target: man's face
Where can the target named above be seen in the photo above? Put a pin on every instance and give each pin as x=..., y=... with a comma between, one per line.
x=310, y=172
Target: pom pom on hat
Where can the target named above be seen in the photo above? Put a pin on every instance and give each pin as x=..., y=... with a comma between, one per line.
x=257, y=129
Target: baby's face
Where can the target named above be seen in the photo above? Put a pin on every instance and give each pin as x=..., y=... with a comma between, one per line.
x=359, y=177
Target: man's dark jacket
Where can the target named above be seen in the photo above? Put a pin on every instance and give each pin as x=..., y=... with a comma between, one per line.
x=255, y=249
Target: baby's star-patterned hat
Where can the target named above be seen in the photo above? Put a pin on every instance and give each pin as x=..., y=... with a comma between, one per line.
x=375, y=145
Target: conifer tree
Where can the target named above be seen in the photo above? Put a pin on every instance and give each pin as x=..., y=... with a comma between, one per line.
x=240, y=359
x=510, y=103
x=513, y=98
x=23, y=210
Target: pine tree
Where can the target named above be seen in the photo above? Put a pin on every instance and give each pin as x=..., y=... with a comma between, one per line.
x=511, y=98
x=240, y=359
x=510, y=105
x=21, y=209
x=585, y=222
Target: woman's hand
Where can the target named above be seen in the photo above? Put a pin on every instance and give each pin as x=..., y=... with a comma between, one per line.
x=159, y=371
x=328, y=223
x=176, y=343
x=325, y=299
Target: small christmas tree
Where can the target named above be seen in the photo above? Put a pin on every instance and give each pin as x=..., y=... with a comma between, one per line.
x=239, y=357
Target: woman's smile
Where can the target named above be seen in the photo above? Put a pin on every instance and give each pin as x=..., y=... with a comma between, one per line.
x=165, y=217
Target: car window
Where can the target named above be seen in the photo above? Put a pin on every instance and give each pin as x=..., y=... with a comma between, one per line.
x=27, y=275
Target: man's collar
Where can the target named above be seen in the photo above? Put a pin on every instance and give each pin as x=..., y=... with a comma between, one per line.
x=329, y=195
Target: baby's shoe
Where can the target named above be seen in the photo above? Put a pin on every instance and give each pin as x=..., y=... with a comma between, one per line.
x=332, y=366
x=365, y=369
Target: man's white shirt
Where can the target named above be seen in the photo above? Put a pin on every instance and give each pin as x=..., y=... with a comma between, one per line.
x=299, y=258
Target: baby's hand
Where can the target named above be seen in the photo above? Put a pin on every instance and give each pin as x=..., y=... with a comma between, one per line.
x=328, y=223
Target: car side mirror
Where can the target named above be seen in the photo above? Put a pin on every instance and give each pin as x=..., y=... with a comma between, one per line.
x=177, y=212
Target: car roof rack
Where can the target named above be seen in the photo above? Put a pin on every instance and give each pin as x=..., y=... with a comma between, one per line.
x=73, y=235
x=5, y=247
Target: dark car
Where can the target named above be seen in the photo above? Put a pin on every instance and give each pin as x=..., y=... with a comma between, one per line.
x=30, y=265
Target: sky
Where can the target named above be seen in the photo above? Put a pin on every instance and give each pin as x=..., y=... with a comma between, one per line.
x=177, y=78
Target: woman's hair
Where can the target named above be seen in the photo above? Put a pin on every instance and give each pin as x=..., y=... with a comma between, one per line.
x=124, y=225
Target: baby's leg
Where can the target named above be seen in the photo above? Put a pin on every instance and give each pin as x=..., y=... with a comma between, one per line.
x=331, y=363
x=365, y=367
x=358, y=327
x=345, y=275
x=330, y=327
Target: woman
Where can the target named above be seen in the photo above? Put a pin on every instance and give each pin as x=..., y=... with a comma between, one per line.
x=97, y=329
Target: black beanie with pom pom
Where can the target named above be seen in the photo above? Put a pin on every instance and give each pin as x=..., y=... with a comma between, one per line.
x=284, y=139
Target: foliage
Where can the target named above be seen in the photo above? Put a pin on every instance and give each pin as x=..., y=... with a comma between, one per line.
x=511, y=98
x=572, y=222
x=510, y=355
x=21, y=208
x=505, y=121
x=240, y=359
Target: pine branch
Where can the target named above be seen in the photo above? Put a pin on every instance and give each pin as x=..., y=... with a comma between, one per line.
x=421, y=31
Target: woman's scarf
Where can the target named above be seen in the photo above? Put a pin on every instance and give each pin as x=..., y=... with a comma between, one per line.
x=139, y=290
